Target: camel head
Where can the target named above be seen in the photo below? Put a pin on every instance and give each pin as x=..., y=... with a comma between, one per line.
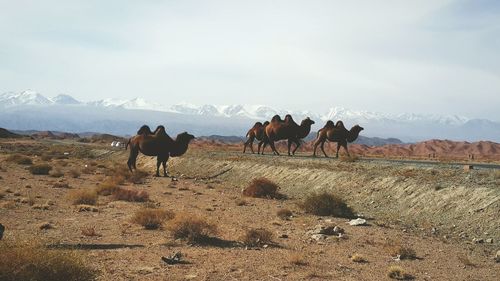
x=307, y=122
x=357, y=128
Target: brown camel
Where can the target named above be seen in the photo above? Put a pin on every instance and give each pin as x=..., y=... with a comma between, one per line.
x=256, y=132
x=336, y=133
x=159, y=144
x=287, y=130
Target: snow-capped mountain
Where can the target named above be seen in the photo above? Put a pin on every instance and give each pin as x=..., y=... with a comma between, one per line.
x=225, y=119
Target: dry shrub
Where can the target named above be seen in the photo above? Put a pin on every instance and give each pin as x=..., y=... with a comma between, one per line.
x=327, y=204
x=496, y=174
x=61, y=185
x=89, y=170
x=137, y=177
x=284, y=214
x=403, y=252
x=152, y=218
x=349, y=159
x=19, y=159
x=194, y=229
x=464, y=259
x=23, y=261
x=398, y=273
x=257, y=237
x=358, y=258
x=107, y=188
x=241, y=202
x=2, y=194
x=298, y=259
x=40, y=169
x=261, y=188
x=90, y=231
x=130, y=195
x=83, y=197
x=74, y=173
x=56, y=173
x=46, y=157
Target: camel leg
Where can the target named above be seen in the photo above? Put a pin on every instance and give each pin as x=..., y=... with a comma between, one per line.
x=346, y=150
x=249, y=142
x=271, y=143
x=132, y=158
x=164, y=164
x=289, y=146
x=297, y=144
x=323, y=148
x=158, y=163
x=259, y=146
x=338, y=147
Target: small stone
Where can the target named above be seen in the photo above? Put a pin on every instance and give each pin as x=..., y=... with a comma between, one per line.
x=17, y=193
x=284, y=236
x=489, y=240
x=497, y=256
x=28, y=186
x=45, y=225
x=478, y=240
x=24, y=200
x=357, y=222
x=319, y=237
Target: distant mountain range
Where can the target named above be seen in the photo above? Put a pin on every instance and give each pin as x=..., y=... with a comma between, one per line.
x=30, y=110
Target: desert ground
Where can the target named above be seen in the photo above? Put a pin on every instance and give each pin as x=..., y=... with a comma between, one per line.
x=422, y=222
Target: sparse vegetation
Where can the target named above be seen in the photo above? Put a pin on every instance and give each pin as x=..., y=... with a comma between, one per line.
x=56, y=173
x=23, y=261
x=349, y=159
x=89, y=231
x=152, y=218
x=398, y=273
x=74, y=173
x=297, y=259
x=327, y=204
x=40, y=169
x=19, y=159
x=358, y=258
x=130, y=195
x=464, y=259
x=107, y=188
x=257, y=237
x=262, y=188
x=284, y=214
x=60, y=185
x=83, y=196
x=194, y=229
x=241, y=202
x=403, y=252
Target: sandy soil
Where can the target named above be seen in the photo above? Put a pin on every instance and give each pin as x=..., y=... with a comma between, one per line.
x=443, y=254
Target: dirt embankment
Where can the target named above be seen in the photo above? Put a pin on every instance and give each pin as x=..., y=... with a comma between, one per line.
x=458, y=203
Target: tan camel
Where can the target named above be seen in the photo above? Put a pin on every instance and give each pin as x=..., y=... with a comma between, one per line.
x=287, y=130
x=336, y=133
x=256, y=133
x=159, y=144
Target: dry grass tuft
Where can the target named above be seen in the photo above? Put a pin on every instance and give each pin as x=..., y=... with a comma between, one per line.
x=23, y=261
x=56, y=173
x=257, y=237
x=152, y=218
x=130, y=195
x=74, y=173
x=19, y=159
x=241, y=202
x=192, y=228
x=403, y=252
x=40, y=169
x=262, y=188
x=349, y=159
x=107, y=188
x=90, y=231
x=464, y=259
x=61, y=185
x=284, y=214
x=327, y=204
x=297, y=259
x=83, y=197
x=398, y=273
x=358, y=258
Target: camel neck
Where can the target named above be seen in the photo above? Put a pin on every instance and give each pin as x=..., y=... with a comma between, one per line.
x=352, y=135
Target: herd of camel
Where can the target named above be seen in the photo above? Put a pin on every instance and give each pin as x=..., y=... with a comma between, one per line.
x=158, y=143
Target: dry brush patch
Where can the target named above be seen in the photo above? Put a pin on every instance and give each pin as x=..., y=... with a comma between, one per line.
x=257, y=237
x=29, y=261
x=83, y=197
x=152, y=218
x=192, y=228
x=402, y=251
x=130, y=195
x=284, y=214
x=19, y=159
x=40, y=169
x=398, y=273
x=327, y=204
x=262, y=188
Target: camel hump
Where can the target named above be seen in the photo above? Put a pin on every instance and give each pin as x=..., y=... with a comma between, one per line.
x=276, y=118
x=144, y=130
x=288, y=118
x=340, y=125
x=329, y=124
x=160, y=130
x=265, y=123
x=257, y=124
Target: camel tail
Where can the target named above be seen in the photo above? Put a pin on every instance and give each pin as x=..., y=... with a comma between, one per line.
x=128, y=142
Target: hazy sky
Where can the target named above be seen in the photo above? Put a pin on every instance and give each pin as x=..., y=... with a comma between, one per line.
x=389, y=56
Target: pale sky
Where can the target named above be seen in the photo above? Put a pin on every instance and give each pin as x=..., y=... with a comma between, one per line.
x=389, y=56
